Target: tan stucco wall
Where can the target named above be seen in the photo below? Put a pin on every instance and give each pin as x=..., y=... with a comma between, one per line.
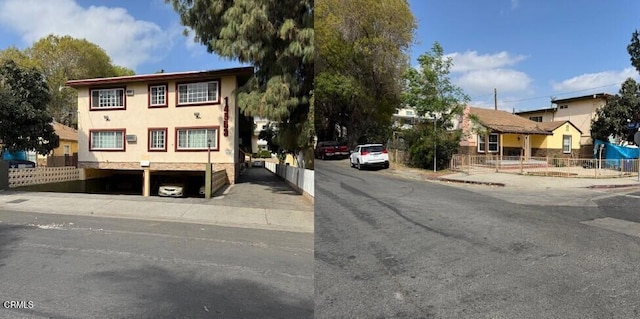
x=138, y=117
x=580, y=113
x=547, y=115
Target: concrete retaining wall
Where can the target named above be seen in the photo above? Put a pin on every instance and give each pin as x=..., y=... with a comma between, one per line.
x=42, y=175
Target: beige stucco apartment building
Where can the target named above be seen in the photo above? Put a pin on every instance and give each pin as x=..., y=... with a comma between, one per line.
x=158, y=124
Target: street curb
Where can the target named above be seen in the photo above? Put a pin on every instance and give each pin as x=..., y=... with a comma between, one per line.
x=614, y=186
x=449, y=180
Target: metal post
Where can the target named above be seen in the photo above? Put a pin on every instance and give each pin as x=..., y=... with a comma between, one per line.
x=435, y=146
x=207, y=179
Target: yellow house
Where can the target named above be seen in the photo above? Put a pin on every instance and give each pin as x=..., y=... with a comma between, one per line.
x=512, y=135
x=161, y=125
x=63, y=155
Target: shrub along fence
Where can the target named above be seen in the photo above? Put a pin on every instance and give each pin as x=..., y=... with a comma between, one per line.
x=545, y=166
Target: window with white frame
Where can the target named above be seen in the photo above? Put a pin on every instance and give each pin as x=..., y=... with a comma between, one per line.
x=493, y=143
x=107, y=140
x=67, y=149
x=158, y=139
x=196, y=138
x=201, y=92
x=566, y=143
x=107, y=98
x=158, y=95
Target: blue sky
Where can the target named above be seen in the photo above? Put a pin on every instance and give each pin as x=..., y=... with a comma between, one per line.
x=144, y=35
x=530, y=50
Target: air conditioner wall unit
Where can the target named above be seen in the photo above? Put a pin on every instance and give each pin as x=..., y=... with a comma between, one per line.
x=131, y=138
x=129, y=92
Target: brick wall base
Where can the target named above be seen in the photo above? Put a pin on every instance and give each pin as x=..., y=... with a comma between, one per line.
x=231, y=168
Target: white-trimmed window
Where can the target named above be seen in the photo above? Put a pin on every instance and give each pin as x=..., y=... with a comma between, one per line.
x=196, y=138
x=111, y=140
x=566, y=143
x=107, y=98
x=158, y=139
x=198, y=93
x=493, y=143
x=158, y=95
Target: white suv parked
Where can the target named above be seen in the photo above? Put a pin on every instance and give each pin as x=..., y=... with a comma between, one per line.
x=368, y=155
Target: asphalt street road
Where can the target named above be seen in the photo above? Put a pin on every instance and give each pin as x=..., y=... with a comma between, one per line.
x=83, y=267
x=388, y=247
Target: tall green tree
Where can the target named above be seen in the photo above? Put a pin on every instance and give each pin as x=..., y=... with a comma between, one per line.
x=63, y=58
x=277, y=37
x=612, y=120
x=25, y=123
x=634, y=50
x=362, y=49
x=429, y=90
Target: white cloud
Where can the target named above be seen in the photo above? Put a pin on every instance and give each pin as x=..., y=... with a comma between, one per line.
x=471, y=60
x=128, y=41
x=594, y=80
x=484, y=81
x=515, y=4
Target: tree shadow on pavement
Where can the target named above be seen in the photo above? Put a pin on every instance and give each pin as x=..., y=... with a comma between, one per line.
x=153, y=292
x=267, y=180
x=9, y=235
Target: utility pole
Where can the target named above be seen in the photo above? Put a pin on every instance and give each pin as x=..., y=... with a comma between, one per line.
x=495, y=99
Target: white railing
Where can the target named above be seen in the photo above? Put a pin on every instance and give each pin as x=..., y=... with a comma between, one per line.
x=301, y=179
x=545, y=166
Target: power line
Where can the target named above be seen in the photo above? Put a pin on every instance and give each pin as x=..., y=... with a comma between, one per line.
x=545, y=96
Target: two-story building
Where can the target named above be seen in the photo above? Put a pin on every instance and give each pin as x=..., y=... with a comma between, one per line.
x=580, y=111
x=257, y=144
x=405, y=118
x=163, y=124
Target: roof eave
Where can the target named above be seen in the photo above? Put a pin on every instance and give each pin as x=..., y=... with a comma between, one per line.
x=240, y=71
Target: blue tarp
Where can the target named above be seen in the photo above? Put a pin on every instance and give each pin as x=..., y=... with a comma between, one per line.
x=613, y=151
x=20, y=155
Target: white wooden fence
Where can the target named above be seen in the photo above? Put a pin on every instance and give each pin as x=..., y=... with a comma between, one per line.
x=300, y=179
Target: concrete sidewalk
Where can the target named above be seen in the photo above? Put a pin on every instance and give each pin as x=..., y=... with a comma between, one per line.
x=259, y=200
x=517, y=180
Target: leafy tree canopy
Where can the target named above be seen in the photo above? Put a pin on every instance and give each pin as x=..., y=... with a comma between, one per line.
x=277, y=37
x=63, y=58
x=430, y=92
x=361, y=52
x=25, y=123
x=612, y=120
x=634, y=50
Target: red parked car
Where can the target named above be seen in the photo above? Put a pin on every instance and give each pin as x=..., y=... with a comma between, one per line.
x=331, y=149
